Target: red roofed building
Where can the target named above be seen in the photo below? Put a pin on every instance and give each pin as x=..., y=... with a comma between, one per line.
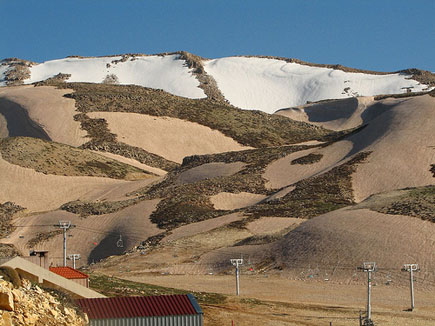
x=72, y=274
x=164, y=310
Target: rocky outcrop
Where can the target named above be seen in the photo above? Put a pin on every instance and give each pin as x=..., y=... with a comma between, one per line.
x=30, y=305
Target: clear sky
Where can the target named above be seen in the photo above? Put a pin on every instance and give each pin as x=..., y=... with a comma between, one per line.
x=383, y=35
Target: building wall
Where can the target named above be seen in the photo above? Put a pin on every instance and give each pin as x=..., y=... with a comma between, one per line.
x=185, y=320
x=40, y=261
x=82, y=281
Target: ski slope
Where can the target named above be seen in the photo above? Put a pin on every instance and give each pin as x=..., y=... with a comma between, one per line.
x=269, y=84
x=159, y=72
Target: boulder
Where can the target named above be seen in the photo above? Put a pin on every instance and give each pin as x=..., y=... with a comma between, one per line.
x=6, y=301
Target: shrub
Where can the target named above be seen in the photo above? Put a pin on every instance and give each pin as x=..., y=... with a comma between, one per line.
x=111, y=79
x=11, y=275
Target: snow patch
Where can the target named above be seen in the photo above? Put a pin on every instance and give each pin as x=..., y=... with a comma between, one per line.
x=159, y=72
x=270, y=84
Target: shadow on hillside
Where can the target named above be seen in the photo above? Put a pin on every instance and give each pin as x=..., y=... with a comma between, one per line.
x=19, y=122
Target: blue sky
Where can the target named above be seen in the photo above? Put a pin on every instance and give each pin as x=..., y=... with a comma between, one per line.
x=383, y=35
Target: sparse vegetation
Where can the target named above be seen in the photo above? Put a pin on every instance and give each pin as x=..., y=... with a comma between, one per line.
x=59, y=159
x=250, y=128
x=103, y=140
x=85, y=209
x=111, y=79
x=206, y=82
x=18, y=71
x=316, y=195
x=60, y=77
x=8, y=250
x=308, y=159
x=11, y=275
x=7, y=211
x=418, y=202
x=41, y=237
x=132, y=152
x=188, y=203
x=112, y=286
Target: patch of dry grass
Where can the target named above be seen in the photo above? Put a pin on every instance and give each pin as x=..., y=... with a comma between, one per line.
x=418, y=202
x=60, y=159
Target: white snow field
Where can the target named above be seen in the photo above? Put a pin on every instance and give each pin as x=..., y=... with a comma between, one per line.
x=159, y=72
x=246, y=82
x=269, y=84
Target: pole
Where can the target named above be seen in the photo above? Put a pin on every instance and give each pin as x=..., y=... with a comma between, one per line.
x=369, y=294
x=74, y=257
x=64, y=225
x=411, y=268
x=236, y=263
x=64, y=246
x=411, y=279
x=237, y=280
x=369, y=267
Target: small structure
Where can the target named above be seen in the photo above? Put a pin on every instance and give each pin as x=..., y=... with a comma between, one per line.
x=165, y=310
x=72, y=274
x=40, y=275
x=38, y=257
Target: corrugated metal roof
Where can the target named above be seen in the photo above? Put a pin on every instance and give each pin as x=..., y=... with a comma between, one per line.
x=68, y=272
x=129, y=307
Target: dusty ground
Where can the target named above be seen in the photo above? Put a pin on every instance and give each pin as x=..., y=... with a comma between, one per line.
x=392, y=125
x=275, y=300
x=209, y=170
x=410, y=124
x=230, y=201
x=180, y=137
x=48, y=108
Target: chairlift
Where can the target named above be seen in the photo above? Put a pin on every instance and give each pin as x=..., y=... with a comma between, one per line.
x=389, y=280
x=120, y=243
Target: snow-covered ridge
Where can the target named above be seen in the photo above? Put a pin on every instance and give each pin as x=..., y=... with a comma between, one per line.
x=266, y=84
x=269, y=84
x=159, y=72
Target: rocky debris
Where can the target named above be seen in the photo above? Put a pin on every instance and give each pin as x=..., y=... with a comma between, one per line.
x=18, y=71
x=206, y=82
x=31, y=305
x=56, y=79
